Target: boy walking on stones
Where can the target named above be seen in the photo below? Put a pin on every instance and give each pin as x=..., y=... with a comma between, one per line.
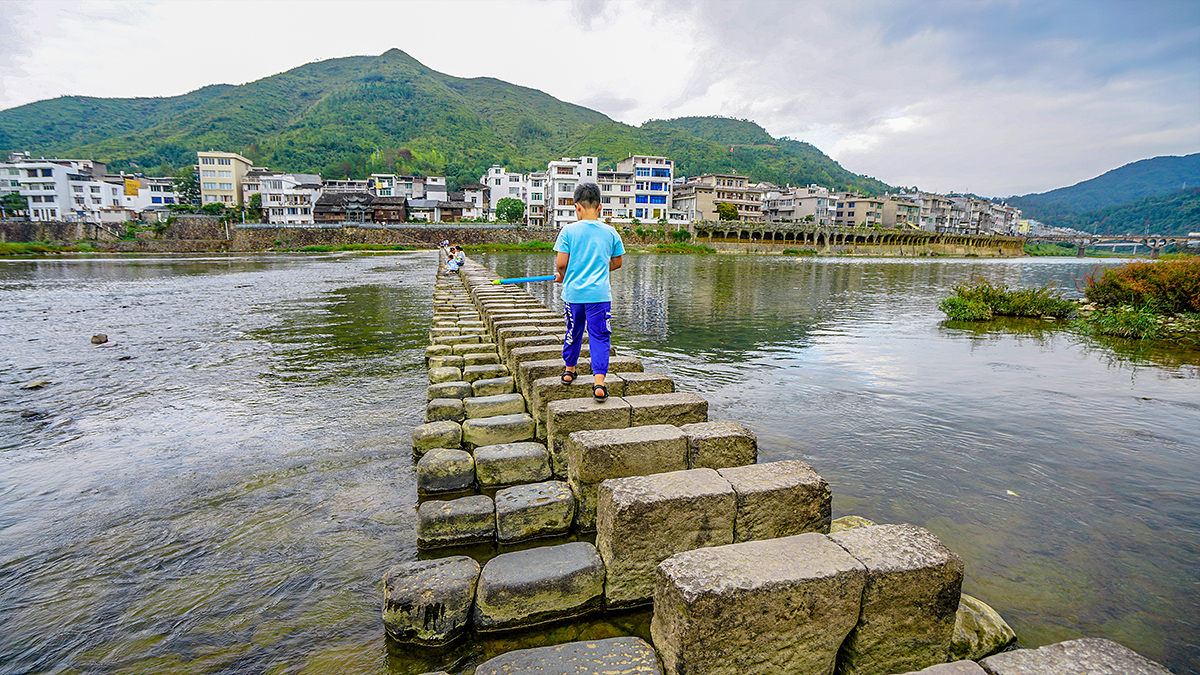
x=588, y=249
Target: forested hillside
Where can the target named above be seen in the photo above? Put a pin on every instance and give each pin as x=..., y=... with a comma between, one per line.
x=352, y=116
x=1066, y=207
x=1173, y=213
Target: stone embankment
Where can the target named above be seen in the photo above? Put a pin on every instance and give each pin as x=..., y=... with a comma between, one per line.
x=743, y=565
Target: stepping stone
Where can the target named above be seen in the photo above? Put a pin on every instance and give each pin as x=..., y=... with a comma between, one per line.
x=979, y=630
x=445, y=470
x=436, y=435
x=511, y=464
x=457, y=389
x=676, y=409
x=760, y=607
x=493, y=386
x=428, y=602
x=539, y=585
x=491, y=406
x=483, y=372
x=442, y=332
x=442, y=409
x=643, y=520
x=463, y=350
x=849, y=523
x=535, y=510
x=438, y=350
x=623, y=655
x=640, y=384
x=471, y=330
x=480, y=359
x=455, y=339
x=956, y=668
x=593, y=456
x=445, y=374
x=497, y=430
x=779, y=499
x=466, y=520
x=1090, y=656
x=448, y=360
x=579, y=414
x=909, y=603
x=717, y=445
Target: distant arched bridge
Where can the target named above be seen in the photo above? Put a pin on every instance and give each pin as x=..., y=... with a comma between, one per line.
x=1155, y=242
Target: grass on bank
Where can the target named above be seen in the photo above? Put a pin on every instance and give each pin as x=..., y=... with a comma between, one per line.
x=682, y=248
x=36, y=248
x=523, y=246
x=355, y=247
x=981, y=300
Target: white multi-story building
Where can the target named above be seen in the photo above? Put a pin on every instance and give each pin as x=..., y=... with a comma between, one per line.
x=392, y=185
x=935, y=209
x=653, y=177
x=798, y=204
x=435, y=188
x=504, y=185
x=472, y=194
x=535, y=203
x=144, y=193
x=221, y=175
x=287, y=198
x=616, y=196
x=71, y=190
x=561, y=178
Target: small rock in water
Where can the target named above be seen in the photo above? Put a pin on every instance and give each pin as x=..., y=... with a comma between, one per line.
x=32, y=414
x=124, y=358
x=99, y=339
x=35, y=384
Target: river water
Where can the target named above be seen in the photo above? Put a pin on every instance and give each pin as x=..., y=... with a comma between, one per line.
x=222, y=489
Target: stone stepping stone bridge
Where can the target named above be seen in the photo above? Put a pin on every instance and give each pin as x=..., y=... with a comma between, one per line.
x=737, y=558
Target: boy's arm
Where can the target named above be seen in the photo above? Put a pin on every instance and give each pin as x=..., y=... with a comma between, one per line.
x=615, y=263
x=561, y=264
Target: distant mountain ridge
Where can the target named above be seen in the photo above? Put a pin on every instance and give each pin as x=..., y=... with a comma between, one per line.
x=348, y=117
x=1088, y=202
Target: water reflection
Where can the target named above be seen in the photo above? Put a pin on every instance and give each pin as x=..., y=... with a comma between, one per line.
x=1062, y=469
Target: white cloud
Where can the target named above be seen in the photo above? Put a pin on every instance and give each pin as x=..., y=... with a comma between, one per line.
x=995, y=97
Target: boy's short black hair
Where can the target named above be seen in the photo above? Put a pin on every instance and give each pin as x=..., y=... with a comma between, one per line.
x=587, y=194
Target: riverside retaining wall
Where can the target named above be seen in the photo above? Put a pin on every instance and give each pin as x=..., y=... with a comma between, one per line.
x=745, y=568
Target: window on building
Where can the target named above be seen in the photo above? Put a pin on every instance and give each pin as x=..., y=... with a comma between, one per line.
x=207, y=160
x=77, y=188
x=224, y=174
x=95, y=200
x=639, y=213
x=224, y=161
x=210, y=198
x=31, y=173
x=626, y=188
x=565, y=201
x=114, y=191
x=514, y=190
x=36, y=198
x=660, y=173
x=208, y=173
x=658, y=186
x=589, y=172
x=226, y=198
x=156, y=200
x=46, y=173
x=642, y=199
x=275, y=198
x=79, y=201
x=658, y=199
x=53, y=213
x=168, y=200
x=210, y=186
x=95, y=189
x=48, y=198
x=497, y=181
x=537, y=196
x=226, y=186
x=641, y=172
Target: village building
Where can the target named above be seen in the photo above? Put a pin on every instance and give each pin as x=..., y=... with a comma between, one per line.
x=697, y=199
x=221, y=175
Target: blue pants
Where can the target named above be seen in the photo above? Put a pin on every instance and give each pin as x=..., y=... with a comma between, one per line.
x=595, y=316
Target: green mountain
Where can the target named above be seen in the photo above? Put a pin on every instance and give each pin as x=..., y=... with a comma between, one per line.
x=349, y=117
x=1089, y=200
x=1172, y=213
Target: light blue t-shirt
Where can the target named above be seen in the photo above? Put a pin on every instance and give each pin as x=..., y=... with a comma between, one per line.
x=591, y=244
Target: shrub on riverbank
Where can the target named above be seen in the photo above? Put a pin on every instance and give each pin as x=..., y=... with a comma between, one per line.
x=980, y=300
x=356, y=247
x=682, y=248
x=799, y=252
x=35, y=248
x=1165, y=287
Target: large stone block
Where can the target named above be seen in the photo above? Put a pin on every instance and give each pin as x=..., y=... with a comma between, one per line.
x=436, y=435
x=773, y=606
x=437, y=350
x=542, y=353
x=480, y=359
x=623, y=656
x=481, y=347
x=979, y=630
x=594, y=455
x=458, y=389
x=579, y=414
x=512, y=464
x=445, y=470
x=494, y=386
x=497, y=430
x=437, y=375
x=640, y=384
x=1086, y=656
x=779, y=499
x=455, y=339
x=443, y=409
x=511, y=342
x=909, y=602
x=445, y=361
x=466, y=520
x=491, y=406
x=538, y=585
x=549, y=389
x=956, y=668
x=529, y=371
x=483, y=372
x=717, y=445
x=643, y=520
x=428, y=602
x=675, y=409
x=534, y=510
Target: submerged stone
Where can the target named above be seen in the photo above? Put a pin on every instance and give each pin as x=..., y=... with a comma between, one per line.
x=979, y=630
x=526, y=588
x=466, y=520
x=1090, y=656
x=428, y=602
x=614, y=656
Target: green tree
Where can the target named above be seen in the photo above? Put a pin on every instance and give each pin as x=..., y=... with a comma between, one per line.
x=254, y=206
x=11, y=203
x=187, y=184
x=510, y=210
x=726, y=211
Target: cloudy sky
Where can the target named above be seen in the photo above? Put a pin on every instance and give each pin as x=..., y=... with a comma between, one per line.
x=995, y=97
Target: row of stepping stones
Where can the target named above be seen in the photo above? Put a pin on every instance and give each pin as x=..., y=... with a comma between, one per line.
x=525, y=588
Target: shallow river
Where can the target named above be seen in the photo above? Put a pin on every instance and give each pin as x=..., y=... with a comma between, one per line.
x=222, y=489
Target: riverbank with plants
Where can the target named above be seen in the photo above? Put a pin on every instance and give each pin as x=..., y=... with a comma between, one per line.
x=1141, y=300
